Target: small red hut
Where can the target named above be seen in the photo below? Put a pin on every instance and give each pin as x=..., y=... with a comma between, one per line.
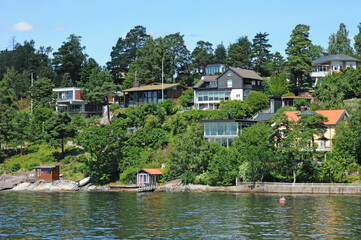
x=47, y=172
x=149, y=176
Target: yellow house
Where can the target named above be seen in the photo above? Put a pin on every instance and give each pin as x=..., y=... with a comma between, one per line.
x=323, y=142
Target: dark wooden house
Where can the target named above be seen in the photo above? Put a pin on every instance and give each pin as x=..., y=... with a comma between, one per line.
x=47, y=172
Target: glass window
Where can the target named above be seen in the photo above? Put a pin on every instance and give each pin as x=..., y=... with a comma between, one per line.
x=47, y=171
x=38, y=173
x=246, y=92
x=210, y=97
x=229, y=83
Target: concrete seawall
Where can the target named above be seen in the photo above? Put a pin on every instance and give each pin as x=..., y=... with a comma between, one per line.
x=298, y=188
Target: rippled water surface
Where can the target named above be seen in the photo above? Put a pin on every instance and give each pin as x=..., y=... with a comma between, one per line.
x=113, y=215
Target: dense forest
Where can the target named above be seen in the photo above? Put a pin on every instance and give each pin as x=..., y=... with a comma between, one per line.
x=152, y=135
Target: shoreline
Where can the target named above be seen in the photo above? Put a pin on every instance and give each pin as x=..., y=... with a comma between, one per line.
x=178, y=186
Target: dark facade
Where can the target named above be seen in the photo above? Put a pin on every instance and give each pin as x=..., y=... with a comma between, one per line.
x=47, y=172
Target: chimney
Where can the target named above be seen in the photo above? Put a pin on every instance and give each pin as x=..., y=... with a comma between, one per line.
x=136, y=84
x=303, y=108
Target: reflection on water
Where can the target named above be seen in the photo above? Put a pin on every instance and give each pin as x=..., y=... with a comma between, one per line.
x=112, y=215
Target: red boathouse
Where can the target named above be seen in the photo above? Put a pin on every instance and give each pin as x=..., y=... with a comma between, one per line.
x=47, y=172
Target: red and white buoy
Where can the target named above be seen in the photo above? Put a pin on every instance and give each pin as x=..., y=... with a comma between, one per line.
x=282, y=200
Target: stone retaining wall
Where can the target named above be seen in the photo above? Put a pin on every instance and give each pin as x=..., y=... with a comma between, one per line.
x=304, y=188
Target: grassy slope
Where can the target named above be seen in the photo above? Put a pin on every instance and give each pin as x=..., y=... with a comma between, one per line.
x=69, y=166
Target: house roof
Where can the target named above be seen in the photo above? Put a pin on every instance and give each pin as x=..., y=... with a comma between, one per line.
x=45, y=166
x=245, y=73
x=333, y=116
x=153, y=171
x=154, y=87
x=337, y=57
x=263, y=116
x=205, y=79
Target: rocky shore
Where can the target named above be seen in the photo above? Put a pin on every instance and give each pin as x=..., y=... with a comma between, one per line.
x=56, y=186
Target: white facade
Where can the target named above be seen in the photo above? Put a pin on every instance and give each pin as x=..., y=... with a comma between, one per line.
x=237, y=94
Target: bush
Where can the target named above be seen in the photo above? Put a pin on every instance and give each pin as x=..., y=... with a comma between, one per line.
x=113, y=107
x=14, y=167
x=128, y=176
x=33, y=148
x=67, y=159
x=188, y=177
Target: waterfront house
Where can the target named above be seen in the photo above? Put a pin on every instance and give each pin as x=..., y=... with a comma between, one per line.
x=323, y=141
x=149, y=176
x=233, y=84
x=152, y=93
x=47, y=172
x=70, y=100
x=323, y=66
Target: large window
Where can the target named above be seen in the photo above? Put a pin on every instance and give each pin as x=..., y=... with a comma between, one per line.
x=212, y=95
x=221, y=129
x=213, y=84
x=66, y=95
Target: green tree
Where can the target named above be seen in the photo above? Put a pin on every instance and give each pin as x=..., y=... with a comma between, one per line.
x=100, y=88
x=240, y=53
x=261, y=54
x=277, y=63
x=339, y=42
x=20, y=83
x=357, y=39
x=58, y=129
x=186, y=97
x=316, y=51
x=42, y=92
x=190, y=155
x=257, y=101
x=202, y=55
x=125, y=51
x=220, y=53
x=255, y=146
x=299, y=56
x=236, y=108
x=70, y=58
x=105, y=145
x=86, y=71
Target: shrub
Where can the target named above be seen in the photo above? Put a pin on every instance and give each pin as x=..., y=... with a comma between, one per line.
x=188, y=177
x=128, y=176
x=13, y=167
x=113, y=107
x=33, y=148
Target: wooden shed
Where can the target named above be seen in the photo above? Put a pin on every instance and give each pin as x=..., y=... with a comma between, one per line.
x=47, y=172
x=149, y=176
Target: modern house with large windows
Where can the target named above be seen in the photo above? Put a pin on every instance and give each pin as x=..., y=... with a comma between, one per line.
x=233, y=84
x=323, y=66
x=70, y=100
x=152, y=93
x=224, y=131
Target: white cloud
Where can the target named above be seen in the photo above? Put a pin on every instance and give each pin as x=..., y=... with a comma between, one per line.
x=59, y=28
x=23, y=27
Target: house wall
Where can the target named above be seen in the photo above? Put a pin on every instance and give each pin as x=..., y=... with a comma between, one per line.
x=237, y=94
x=77, y=95
x=237, y=82
x=54, y=175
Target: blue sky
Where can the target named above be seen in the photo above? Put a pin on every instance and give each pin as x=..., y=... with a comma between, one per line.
x=101, y=23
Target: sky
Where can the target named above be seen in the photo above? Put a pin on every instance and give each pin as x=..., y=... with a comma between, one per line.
x=101, y=22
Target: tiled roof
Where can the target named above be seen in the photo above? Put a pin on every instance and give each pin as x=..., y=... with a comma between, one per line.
x=154, y=87
x=337, y=57
x=245, y=73
x=333, y=116
x=154, y=171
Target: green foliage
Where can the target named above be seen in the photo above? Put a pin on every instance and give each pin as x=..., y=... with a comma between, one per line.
x=277, y=85
x=58, y=129
x=42, y=92
x=33, y=148
x=238, y=109
x=190, y=154
x=14, y=167
x=169, y=106
x=257, y=101
x=220, y=53
x=336, y=87
x=357, y=39
x=289, y=94
x=339, y=42
x=298, y=103
x=128, y=176
x=299, y=56
x=113, y=107
x=222, y=168
x=69, y=58
x=202, y=55
x=240, y=53
x=261, y=54
x=186, y=97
